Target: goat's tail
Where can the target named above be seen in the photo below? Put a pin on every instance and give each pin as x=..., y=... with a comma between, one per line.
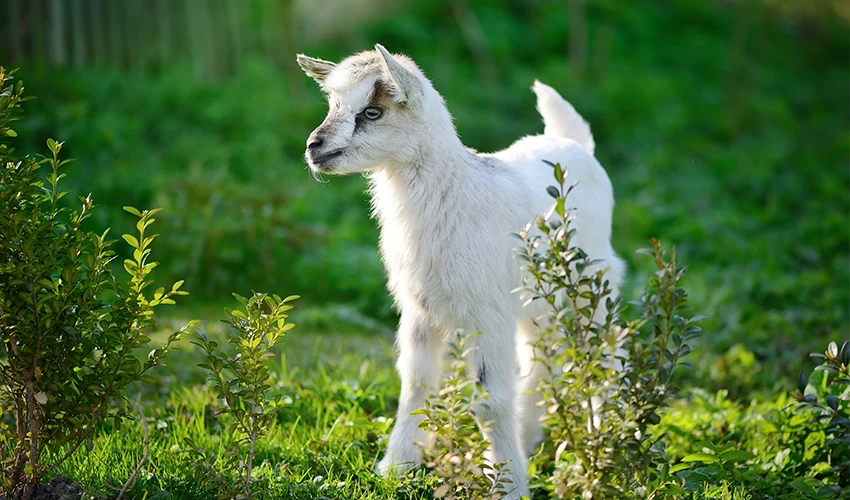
x=561, y=118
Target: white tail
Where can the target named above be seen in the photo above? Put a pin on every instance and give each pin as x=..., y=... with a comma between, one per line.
x=561, y=118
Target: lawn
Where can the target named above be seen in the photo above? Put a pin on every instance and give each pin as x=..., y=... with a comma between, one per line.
x=338, y=393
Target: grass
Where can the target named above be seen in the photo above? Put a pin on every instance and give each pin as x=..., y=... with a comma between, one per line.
x=339, y=392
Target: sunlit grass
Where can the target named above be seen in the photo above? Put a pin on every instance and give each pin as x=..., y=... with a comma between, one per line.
x=340, y=395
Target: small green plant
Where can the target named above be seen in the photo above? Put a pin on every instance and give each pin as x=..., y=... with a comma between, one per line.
x=608, y=377
x=241, y=381
x=826, y=393
x=718, y=463
x=456, y=455
x=70, y=328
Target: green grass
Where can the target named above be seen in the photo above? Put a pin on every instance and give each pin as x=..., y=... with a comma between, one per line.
x=340, y=394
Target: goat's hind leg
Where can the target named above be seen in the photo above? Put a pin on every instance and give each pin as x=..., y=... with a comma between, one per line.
x=419, y=365
x=532, y=371
x=492, y=360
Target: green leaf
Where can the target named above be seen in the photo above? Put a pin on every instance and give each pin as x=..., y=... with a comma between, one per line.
x=129, y=238
x=676, y=468
x=11, y=133
x=701, y=457
x=736, y=456
x=133, y=210
x=799, y=484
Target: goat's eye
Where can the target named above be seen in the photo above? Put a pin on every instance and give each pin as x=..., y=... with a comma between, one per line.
x=373, y=113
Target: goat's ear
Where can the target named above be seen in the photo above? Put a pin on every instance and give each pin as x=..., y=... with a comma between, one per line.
x=400, y=79
x=316, y=69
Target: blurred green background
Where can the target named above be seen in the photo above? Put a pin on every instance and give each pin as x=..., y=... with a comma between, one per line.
x=724, y=126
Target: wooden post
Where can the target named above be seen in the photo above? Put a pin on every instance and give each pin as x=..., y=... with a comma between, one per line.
x=163, y=22
x=219, y=56
x=78, y=32
x=113, y=16
x=56, y=21
x=288, y=34
x=97, y=23
x=130, y=29
x=235, y=20
x=194, y=36
x=36, y=24
x=13, y=30
x=267, y=25
x=577, y=25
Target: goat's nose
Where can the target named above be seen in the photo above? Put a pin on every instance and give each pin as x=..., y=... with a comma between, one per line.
x=314, y=142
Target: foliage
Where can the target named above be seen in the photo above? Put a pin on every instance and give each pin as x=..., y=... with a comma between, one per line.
x=242, y=382
x=715, y=122
x=70, y=328
x=827, y=394
x=606, y=381
x=456, y=456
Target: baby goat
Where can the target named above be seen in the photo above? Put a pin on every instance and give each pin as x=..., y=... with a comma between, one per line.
x=446, y=215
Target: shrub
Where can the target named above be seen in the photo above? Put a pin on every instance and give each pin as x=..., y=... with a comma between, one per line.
x=242, y=383
x=70, y=328
x=827, y=394
x=607, y=380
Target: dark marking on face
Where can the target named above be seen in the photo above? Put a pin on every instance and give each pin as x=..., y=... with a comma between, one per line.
x=379, y=98
x=380, y=95
x=482, y=374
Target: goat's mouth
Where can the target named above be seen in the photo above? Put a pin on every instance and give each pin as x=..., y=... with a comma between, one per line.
x=318, y=160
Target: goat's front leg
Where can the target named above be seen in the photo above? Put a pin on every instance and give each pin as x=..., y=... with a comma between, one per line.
x=419, y=366
x=493, y=360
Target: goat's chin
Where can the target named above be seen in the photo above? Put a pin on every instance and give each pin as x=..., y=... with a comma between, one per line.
x=331, y=168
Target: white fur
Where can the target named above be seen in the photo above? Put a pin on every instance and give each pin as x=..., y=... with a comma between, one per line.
x=446, y=215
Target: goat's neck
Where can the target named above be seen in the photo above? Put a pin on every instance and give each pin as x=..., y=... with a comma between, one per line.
x=421, y=192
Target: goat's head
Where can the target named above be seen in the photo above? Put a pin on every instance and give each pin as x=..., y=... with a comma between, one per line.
x=378, y=106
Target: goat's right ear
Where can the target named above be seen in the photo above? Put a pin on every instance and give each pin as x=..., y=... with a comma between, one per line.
x=317, y=69
x=401, y=81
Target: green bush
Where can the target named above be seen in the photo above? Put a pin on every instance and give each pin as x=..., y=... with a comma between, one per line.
x=606, y=381
x=242, y=383
x=70, y=328
x=827, y=394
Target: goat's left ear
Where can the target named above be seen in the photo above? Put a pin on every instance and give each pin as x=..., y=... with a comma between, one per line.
x=401, y=80
x=316, y=69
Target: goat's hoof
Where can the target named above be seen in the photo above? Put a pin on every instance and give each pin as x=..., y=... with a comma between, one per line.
x=393, y=468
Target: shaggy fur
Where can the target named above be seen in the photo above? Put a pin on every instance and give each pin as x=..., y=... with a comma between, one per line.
x=446, y=215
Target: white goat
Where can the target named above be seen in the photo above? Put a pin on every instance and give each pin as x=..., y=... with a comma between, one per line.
x=446, y=215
